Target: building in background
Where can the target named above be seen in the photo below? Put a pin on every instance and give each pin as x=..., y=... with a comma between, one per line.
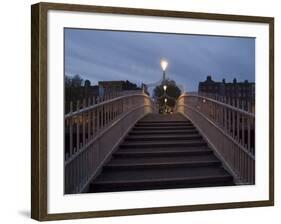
x=108, y=87
x=79, y=92
x=239, y=94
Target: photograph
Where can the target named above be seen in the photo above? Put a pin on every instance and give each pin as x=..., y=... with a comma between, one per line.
x=140, y=111
x=157, y=110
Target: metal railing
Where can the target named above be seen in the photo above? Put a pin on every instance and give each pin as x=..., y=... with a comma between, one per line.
x=88, y=101
x=243, y=103
x=92, y=132
x=230, y=131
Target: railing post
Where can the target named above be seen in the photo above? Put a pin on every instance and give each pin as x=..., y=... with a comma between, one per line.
x=93, y=120
x=102, y=114
x=78, y=128
x=233, y=124
x=84, y=123
x=71, y=132
x=89, y=120
x=98, y=115
x=243, y=131
x=249, y=133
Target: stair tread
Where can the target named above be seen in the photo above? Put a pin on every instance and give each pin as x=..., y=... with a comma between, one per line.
x=186, y=127
x=161, y=136
x=163, y=132
x=164, y=125
x=163, y=150
x=162, y=143
x=159, y=117
x=154, y=174
x=223, y=177
x=164, y=122
x=163, y=159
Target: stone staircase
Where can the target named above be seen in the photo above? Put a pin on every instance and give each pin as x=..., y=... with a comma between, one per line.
x=162, y=152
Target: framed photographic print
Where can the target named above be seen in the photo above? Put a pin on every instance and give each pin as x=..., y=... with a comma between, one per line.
x=139, y=111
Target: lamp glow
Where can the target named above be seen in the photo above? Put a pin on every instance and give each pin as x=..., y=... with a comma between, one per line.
x=165, y=87
x=164, y=64
x=165, y=100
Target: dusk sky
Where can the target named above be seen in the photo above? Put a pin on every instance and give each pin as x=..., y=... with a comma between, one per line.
x=135, y=56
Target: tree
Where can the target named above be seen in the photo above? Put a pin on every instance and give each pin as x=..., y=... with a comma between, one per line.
x=67, y=81
x=87, y=83
x=172, y=93
x=73, y=91
x=77, y=81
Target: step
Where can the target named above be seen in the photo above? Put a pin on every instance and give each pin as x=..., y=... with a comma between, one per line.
x=151, y=132
x=165, y=178
x=163, y=128
x=164, y=124
x=215, y=181
x=151, y=144
x=151, y=174
x=147, y=165
x=163, y=137
x=159, y=117
x=163, y=161
x=161, y=151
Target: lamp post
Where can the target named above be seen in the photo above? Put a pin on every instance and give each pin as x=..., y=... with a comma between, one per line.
x=165, y=108
x=164, y=64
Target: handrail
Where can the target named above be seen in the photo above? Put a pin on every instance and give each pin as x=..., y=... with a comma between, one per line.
x=89, y=121
x=99, y=104
x=229, y=129
x=91, y=133
x=99, y=135
x=219, y=103
x=223, y=132
x=242, y=102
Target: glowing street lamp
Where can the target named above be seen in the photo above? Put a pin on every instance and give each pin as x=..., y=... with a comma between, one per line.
x=165, y=108
x=164, y=65
x=165, y=87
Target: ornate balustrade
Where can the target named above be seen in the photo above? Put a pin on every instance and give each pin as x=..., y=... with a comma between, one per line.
x=94, y=131
x=230, y=131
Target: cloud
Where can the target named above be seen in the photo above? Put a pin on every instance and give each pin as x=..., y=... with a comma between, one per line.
x=111, y=55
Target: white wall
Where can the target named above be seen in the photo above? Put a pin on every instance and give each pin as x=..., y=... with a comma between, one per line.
x=15, y=111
